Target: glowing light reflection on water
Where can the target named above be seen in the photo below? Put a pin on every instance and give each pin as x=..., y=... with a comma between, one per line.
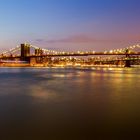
x=55, y=103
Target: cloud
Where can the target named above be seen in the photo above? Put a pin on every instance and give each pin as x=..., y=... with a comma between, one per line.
x=74, y=39
x=39, y=40
x=89, y=39
x=71, y=39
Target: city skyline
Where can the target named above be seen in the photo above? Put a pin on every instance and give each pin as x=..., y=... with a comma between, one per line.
x=70, y=24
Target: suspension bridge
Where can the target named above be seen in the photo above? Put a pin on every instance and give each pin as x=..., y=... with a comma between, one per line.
x=32, y=54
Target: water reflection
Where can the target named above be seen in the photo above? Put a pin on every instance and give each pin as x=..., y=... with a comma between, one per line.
x=61, y=102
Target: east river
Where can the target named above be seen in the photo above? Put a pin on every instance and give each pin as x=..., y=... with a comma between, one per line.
x=69, y=103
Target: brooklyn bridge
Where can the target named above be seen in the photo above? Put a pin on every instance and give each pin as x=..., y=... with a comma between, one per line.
x=33, y=55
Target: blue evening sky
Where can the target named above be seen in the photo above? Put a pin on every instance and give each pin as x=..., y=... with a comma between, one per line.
x=70, y=24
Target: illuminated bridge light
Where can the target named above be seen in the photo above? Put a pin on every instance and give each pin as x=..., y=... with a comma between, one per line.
x=105, y=52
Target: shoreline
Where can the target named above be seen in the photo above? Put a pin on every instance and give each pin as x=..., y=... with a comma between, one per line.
x=63, y=66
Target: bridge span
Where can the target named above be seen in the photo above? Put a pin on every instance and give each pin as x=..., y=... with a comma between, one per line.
x=32, y=54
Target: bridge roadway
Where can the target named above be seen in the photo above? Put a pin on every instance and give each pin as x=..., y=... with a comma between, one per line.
x=70, y=54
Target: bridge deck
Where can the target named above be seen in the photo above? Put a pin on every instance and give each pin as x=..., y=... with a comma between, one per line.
x=70, y=54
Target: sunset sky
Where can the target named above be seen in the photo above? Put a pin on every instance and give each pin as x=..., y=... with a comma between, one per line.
x=70, y=24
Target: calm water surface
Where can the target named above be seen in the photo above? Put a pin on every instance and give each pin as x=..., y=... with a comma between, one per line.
x=69, y=104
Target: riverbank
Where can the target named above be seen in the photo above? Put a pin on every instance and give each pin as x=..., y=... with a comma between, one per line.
x=60, y=66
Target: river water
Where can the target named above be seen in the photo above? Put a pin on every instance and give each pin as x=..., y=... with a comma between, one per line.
x=69, y=103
